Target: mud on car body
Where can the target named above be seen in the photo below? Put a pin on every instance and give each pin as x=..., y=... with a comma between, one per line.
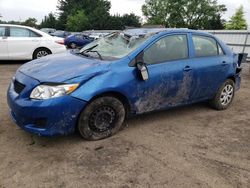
x=94, y=89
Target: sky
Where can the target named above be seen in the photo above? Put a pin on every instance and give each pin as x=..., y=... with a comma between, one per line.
x=22, y=9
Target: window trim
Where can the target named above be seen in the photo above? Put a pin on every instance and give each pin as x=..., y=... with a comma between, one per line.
x=217, y=46
x=164, y=36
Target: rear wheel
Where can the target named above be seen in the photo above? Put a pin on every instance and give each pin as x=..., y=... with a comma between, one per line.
x=72, y=45
x=102, y=118
x=224, y=96
x=41, y=52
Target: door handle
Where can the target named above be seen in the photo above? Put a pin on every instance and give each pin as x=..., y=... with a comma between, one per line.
x=187, y=68
x=224, y=63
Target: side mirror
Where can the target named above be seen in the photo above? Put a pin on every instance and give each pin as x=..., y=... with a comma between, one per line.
x=141, y=66
x=143, y=70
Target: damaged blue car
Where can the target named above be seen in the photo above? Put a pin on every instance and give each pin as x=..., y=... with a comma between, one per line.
x=94, y=89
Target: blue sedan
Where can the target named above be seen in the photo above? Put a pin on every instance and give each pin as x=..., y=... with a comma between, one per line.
x=94, y=89
x=77, y=40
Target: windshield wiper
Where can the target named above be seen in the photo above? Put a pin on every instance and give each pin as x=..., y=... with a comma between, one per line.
x=91, y=48
x=95, y=51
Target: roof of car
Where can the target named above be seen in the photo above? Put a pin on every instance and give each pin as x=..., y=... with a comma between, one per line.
x=152, y=31
x=14, y=25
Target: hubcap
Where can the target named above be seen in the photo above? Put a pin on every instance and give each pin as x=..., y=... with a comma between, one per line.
x=226, y=95
x=102, y=119
x=41, y=54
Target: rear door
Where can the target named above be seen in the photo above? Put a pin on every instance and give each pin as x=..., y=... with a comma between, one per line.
x=209, y=67
x=22, y=42
x=3, y=44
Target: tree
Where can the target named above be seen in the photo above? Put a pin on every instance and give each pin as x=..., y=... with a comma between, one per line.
x=237, y=21
x=49, y=21
x=97, y=12
x=191, y=14
x=131, y=20
x=77, y=21
x=30, y=22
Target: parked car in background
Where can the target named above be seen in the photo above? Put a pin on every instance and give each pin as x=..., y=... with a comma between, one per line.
x=96, y=36
x=48, y=30
x=24, y=43
x=60, y=33
x=132, y=72
x=77, y=40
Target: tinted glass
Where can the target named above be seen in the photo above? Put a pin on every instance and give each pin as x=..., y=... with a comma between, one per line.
x=205, y=46
x=166, y=49
x=2, y=31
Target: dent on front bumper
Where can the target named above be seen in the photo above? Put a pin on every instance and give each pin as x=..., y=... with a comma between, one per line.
x=51, y=117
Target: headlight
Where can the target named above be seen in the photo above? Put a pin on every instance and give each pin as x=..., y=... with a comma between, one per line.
x=43, y=92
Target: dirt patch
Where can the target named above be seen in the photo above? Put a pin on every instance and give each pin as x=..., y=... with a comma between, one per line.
x=191, y=146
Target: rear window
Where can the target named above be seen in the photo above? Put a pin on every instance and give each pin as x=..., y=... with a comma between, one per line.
x=206, y=46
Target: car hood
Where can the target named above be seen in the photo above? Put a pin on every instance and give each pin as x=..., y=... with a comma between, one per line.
x=63, y=67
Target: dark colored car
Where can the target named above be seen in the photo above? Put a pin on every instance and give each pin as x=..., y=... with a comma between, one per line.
x=125, y=73
x=59, y=33
x=77, y=40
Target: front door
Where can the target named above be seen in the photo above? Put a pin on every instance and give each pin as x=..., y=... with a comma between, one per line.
x=169, y=80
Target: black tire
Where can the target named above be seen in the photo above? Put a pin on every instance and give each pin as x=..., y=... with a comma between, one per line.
x=102, y=118
x=217, y=102
x=41, y=52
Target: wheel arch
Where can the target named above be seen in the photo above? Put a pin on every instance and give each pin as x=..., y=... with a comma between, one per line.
x=117, y=95
x=39, y=48
x=231, y=78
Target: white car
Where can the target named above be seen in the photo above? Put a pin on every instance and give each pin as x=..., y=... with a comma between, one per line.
x=25, y=43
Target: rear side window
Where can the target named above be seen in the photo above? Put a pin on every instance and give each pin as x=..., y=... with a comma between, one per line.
x=22, y=32
x=2, y=31
x=206, y=46
x=169, y=48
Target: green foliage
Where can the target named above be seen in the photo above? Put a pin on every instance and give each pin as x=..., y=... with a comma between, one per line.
x=77, y=21
x=97, y=12
x=49, y=21
x=237, y=21
x=193, y=14
x=31, y=22
x=79, y=15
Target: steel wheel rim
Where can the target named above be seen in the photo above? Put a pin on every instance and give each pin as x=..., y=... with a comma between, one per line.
x=227, y=95
x=102, y=119
x=41, y=54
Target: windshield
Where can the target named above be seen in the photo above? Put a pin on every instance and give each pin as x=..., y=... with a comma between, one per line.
x=115, y=45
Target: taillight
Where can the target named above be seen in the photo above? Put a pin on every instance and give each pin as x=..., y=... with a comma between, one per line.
x=60, y=42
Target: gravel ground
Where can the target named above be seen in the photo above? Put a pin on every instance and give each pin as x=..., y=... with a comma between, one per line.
x=192, y=146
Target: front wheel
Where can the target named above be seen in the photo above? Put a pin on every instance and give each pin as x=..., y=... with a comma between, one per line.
x=224, y=96
x=102, y=118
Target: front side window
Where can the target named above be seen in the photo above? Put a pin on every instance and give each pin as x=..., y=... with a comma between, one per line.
x=206, y=46
x=2, y=31
x=169, y=48
x=22, y=32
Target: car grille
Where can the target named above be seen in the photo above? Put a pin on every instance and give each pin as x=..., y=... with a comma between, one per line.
x=18, y=87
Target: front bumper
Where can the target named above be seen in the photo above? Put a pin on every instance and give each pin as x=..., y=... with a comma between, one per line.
x=51, y=117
